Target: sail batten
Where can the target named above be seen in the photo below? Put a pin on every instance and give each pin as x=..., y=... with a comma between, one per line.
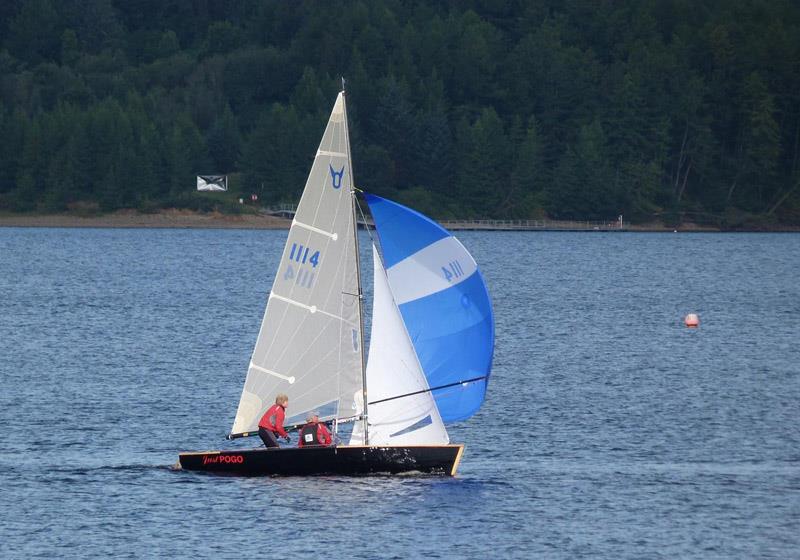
x=310, y=308
x=331, y=154
x=333, y=236
x=290, y=379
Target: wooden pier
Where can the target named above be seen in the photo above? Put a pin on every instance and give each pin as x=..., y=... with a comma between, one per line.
x=534, y=225
x=288, y=210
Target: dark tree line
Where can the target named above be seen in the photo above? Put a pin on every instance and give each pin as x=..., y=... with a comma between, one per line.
x=655, y=109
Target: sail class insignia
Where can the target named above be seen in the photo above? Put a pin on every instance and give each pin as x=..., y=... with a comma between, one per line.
x=336, y=177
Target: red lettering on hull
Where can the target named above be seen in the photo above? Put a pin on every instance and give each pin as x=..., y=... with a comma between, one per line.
x=219, y=459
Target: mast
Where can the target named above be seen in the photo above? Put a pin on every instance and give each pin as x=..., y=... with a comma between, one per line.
x=358, y=271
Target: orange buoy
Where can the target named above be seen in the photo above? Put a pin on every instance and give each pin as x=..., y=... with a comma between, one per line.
x=692, y=321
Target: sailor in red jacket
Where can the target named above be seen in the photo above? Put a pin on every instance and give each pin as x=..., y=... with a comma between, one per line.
x=271, y=424
x=314, y=433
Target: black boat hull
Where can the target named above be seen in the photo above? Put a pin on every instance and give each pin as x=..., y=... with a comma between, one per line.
x=334, y=460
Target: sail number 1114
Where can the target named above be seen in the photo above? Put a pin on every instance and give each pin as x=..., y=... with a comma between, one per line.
x=301, y=256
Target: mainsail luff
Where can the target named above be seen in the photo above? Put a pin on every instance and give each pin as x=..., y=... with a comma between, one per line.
x=310, y=342
x=353, y=191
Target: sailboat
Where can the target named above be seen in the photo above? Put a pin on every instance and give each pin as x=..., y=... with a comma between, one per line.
x=431, y=338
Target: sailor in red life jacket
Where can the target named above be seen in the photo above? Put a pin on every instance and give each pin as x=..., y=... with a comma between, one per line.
x=314, y=433
x=271, y=424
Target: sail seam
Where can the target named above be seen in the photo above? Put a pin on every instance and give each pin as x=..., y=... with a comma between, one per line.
x=333, y=236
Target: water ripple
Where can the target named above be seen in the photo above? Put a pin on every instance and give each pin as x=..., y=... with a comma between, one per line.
x=609, y=430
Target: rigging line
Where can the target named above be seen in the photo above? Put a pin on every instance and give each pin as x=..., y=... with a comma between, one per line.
x=353, y=204
x=464, y=382
x=363, y=218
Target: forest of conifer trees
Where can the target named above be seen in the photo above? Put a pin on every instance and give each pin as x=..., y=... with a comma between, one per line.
x=661, y=110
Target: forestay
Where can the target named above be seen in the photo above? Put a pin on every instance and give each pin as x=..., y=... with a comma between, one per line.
x=444, y=304
x=394, y=371
x=309, y=345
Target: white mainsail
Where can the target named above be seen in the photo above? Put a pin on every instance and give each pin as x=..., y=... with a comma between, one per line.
x=309, y=345
x=393, y=370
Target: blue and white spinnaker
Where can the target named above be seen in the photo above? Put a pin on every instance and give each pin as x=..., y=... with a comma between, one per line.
x=444, y=303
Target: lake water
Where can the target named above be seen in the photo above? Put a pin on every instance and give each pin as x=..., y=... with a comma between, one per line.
x=610, y=430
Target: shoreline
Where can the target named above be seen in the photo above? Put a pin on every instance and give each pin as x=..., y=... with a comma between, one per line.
x=189, y=219
x=165, y=219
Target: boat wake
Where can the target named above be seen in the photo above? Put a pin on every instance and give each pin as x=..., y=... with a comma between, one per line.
x=131, y=468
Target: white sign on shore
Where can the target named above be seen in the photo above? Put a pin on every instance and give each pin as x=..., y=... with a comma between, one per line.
x=212, y=182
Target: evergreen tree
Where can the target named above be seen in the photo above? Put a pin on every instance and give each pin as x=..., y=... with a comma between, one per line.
x=307, y=97
x=34, y=32
x=186, y=155
x=12, y=136
x=657, y=108
x=433, y=159
x=70, y=50
x=483, y=174
x=583, y=187
x=523, y=199
x=760, y=144
x=224, y=142
x=394, y=126
x=276, y=159
x=30, y=180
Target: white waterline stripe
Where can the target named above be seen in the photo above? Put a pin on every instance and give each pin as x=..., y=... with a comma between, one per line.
x=333, y=236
